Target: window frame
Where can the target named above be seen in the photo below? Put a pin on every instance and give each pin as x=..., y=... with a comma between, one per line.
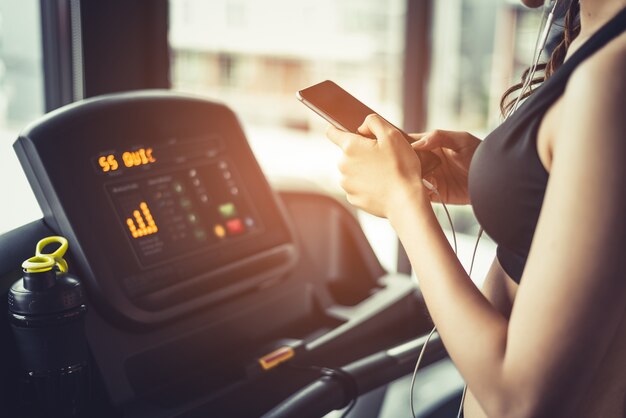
x=417, y=56
x=61, y=42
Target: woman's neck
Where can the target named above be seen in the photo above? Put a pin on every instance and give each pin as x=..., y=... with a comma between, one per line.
x=595, y=13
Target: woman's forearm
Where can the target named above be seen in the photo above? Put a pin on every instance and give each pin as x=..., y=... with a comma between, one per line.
x=473, y=331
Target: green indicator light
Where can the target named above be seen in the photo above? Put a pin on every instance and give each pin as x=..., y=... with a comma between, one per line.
x=228, y=210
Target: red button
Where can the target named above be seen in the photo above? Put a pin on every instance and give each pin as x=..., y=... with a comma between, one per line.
x=235, y=226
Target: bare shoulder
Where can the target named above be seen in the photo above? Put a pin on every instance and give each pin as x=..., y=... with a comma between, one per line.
x=602, y=76
x=590, y=129
x=594, y=100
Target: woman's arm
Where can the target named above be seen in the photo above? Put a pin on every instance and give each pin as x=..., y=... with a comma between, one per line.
x=473, y=331
x=499, y=289
x=573, y=292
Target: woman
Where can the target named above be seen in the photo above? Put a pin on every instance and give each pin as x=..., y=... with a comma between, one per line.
x=548, y=336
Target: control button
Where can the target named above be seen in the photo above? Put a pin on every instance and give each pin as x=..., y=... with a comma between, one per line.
x=178, y=188
x=228, y=210
x=204, y=198
x=223, y=165
x=200, y=234
x=249, y=222
x=193, y=172
x=235, y=226
x=227, y=175
x=179, y=236
x=234, y=191
x=219, y=231
x=192, y=218
x=185, y=203
x=196, y=182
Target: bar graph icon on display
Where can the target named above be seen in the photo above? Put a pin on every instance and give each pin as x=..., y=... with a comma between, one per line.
x=143, y=223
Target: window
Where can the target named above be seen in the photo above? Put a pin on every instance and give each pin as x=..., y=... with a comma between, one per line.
x=479, y=48
x=255, y=55
x=21, y=100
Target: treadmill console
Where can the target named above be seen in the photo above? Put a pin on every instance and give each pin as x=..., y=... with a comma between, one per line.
x=163, y=202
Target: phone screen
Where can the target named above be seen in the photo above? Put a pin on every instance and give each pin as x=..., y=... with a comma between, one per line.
x=338, y=105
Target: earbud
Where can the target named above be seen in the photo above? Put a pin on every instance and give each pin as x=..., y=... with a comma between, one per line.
x=546, y=30
x=557, y=7
x=429, y=185
x=548, y=5
x=553, y=8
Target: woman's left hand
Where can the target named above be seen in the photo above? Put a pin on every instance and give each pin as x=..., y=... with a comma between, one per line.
x=377, y=174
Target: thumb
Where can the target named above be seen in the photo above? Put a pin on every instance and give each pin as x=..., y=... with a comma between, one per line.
x=380, y=128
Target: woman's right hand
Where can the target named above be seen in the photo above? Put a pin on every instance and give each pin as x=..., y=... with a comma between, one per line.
x=455, y=149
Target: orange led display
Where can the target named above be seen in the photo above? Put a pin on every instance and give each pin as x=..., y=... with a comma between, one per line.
x=143, y=223
x=108, y=163
x=135, y=158
x=142, y=156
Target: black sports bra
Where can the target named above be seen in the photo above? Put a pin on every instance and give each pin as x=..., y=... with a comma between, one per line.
x=507, y=180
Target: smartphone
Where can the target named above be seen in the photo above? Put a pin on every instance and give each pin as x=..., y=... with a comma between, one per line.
x=345, y=112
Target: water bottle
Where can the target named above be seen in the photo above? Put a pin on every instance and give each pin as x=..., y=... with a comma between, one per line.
x=47, y=316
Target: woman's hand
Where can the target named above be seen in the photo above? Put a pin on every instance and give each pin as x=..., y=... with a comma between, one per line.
x=455, y=149
x=378, y=174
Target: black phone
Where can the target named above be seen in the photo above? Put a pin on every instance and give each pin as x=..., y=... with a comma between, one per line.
x=345, y=112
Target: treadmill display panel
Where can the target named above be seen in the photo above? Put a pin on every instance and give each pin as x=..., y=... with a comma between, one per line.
x=180, y=206
x=165, y=207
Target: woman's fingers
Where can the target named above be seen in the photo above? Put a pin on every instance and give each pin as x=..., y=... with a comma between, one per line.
x=364, y=130
x=417, y=136
x=443, y=139
x=378, y=127
x=341, y=138
x=335, y=135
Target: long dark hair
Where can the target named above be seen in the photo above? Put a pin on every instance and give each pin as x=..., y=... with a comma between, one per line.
x=571, y=29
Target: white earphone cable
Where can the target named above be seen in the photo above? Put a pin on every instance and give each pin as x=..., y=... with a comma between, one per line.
x=423, y=350
x=540, y=44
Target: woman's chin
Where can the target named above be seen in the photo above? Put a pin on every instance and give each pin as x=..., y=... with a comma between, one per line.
x=533, y=3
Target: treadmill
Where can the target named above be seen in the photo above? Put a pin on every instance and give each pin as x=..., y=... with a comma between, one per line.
x=210, y=293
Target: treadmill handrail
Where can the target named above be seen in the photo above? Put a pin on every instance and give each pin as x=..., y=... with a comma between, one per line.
x=327, y=393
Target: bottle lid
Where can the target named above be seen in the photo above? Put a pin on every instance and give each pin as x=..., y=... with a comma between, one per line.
x=38, y=264
x=46, y=287
x=58, y=254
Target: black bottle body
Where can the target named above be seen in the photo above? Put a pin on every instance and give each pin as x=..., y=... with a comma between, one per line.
x=48, y=323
